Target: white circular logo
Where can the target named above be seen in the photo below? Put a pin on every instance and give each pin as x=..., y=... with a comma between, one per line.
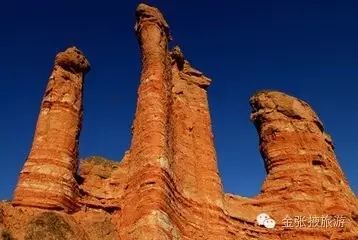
x=263, y=219
x=269, y=223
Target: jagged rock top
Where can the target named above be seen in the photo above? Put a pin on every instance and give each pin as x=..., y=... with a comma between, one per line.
x=148, y=14
x=73, y=60
x=194, y=75
x=270, y=105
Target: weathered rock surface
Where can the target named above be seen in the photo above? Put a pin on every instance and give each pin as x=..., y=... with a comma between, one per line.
x=97, y=185
x=47, y=179
x=304, y=182
x=41, y=224
x=167, y=185
x=303, y=175
x=149, y=153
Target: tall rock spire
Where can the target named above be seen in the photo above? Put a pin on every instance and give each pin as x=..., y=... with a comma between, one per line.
x=149, y=139
x=303, y=173
x=149, y=160
x=47, y=179
x=172, y=156
x=194, y=155
x=194, y=163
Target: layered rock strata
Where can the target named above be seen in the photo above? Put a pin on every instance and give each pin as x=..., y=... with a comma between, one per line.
x=305, y=190
x=193, y=152
x=167, y=185
x=148, y=154
x=47, y=179
x=303, y=174
x=197, y=189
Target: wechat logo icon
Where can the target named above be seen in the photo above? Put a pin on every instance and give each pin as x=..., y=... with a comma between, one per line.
x=263, y=219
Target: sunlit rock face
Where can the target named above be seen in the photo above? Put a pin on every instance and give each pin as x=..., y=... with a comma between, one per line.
x=303, y=172
x=167, y=185
x=47, y=179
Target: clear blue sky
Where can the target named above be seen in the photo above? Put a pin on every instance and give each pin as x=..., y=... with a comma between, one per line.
x=305, y=48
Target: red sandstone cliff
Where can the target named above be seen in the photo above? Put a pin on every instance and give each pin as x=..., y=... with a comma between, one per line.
x=167, y=185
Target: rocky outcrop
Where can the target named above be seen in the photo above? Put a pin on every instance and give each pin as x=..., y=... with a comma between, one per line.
x=305, y=190
x=41, y=224
x=47, y=179
x=303, y=174
x=97, y=185
x=167, y=185
x=49, y=225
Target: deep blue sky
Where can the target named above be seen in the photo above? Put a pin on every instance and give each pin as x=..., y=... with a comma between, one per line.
x=305, y=48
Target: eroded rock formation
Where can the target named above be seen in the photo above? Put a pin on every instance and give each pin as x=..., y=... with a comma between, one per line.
x=47, y=179
x=303, y=174
x=304, y=181
x=148, y=154
x=167, y=185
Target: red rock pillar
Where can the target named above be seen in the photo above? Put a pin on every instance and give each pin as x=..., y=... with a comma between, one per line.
x=194, y=165
x=304, y=176
x=47, y=179
x=143, y=214
x=194, y=155
x=149, y=139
